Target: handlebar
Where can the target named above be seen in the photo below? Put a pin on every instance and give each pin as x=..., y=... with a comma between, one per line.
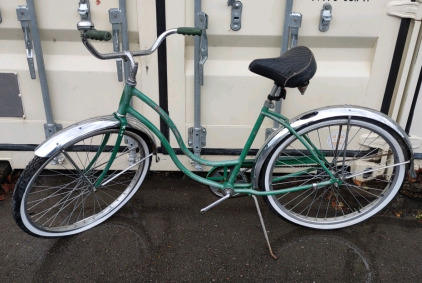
x=98, y=35
x=189, y=31
x=105, y=36
x=128, y=55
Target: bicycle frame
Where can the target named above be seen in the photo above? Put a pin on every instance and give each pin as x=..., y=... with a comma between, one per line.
x=125, y=108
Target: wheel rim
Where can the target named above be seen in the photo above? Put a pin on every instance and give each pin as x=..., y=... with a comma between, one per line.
x=361, y=145
x=61, y=199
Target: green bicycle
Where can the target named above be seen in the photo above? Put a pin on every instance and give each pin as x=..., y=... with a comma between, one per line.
x=328, y=168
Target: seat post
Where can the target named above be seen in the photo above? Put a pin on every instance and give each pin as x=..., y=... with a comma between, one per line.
x=274, y=90
x=277, y=93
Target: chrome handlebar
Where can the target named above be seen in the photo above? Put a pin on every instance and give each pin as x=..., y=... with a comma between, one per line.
x=86, y=27
x=126, y=55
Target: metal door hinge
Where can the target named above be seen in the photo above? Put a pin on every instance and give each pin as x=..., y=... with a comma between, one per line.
x=405, y=9
x=197, y=136
x=23, y=16
x=236, y=14
x=326, y=17
x=51, y=129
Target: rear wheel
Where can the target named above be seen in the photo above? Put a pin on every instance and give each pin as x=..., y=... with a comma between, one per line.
x=366, y=156
x=56, y=196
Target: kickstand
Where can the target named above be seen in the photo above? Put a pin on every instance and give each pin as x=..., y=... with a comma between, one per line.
x=263, y=227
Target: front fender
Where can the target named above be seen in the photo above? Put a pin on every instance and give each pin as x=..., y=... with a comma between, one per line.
x=60, y=139
x=321, y=114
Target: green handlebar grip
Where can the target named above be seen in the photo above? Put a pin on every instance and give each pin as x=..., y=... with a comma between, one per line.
x=98, y=35
x=189, y=31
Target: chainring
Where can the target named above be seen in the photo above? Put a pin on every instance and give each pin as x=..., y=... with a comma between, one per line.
x=219, y=172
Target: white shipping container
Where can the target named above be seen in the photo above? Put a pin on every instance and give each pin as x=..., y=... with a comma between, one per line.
x=368, y=57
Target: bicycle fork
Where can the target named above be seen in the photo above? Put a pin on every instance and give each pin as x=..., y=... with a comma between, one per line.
x=123, y=124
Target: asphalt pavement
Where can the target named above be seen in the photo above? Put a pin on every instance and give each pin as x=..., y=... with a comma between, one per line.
x=161, y=236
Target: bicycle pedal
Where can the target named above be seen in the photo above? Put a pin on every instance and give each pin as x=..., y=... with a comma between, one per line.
x=217, y=202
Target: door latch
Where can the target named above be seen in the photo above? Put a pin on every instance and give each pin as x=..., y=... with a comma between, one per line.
x=202, y=24
x=115, y=16
x=295, y=22
x=236, y=15
x=84, y=12
x=326, y=17
x=24, y=17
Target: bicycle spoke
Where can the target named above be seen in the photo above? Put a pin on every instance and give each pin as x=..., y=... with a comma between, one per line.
x=60, y=198
x=363, y=157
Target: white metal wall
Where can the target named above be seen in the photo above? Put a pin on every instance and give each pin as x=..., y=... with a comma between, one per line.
x=353, y=58
x=80, y=86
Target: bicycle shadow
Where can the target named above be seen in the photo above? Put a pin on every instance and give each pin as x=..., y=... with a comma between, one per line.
x=111, y=252
x=323, y=256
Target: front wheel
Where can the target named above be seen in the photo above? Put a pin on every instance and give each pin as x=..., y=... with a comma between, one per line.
x=367, y=157
x=56, y=196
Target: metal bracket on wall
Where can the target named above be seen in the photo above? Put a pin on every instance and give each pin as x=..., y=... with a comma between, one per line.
x=295, y=22
x=292, y=24
x=236, y=14
x=84, y=9
x=202, y=23
x=326, y=16
x=115, y=16
x=23, y=16
x=198, y=132
x=84, y=12
x=51, y=129
x=28, y=18
x=118, y=20
x=124, y=36
x=198, y=136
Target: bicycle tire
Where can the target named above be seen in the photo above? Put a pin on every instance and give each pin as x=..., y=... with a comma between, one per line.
x=54, y=198
x=357, y=150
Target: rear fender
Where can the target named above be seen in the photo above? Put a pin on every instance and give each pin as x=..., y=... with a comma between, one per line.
x=56, y=142
x=321, y=114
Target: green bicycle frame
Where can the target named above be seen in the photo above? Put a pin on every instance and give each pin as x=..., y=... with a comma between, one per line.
x=125, y=108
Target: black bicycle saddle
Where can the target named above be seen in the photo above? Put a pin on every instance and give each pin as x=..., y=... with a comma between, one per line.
x=292, y=69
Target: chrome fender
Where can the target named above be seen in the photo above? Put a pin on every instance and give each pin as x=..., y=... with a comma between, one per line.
x=60, y=139
x=321, y=114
